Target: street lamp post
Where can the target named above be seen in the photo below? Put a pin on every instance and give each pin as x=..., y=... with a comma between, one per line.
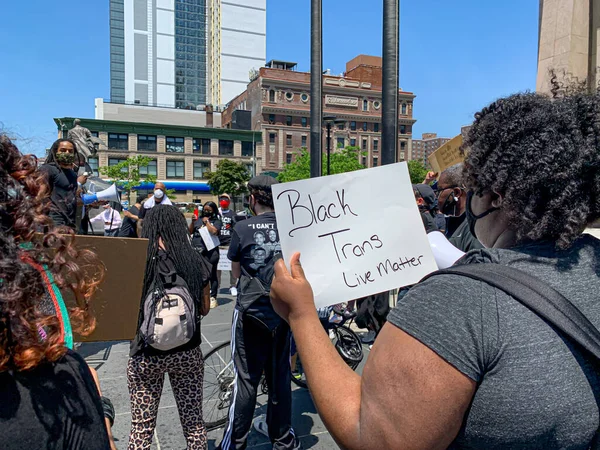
x=330, y=120
x=254, y=149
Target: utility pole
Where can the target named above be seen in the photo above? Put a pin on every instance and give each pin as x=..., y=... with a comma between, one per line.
x=391, y=42
x=316, y=88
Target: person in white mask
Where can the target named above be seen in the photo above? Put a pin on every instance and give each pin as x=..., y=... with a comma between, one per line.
x=159, y=198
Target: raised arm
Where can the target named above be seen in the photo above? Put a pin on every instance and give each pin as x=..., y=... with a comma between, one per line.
x=407, y=398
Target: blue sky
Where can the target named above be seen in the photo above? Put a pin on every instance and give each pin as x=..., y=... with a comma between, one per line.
x=455, y=56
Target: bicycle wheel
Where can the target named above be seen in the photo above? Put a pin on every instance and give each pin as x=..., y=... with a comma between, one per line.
x=348, y=345
x=218, y=386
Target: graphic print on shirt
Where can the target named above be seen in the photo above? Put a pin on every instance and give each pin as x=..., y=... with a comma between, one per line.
x=266, y=244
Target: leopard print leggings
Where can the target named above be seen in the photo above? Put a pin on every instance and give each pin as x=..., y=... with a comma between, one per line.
x=145, y=377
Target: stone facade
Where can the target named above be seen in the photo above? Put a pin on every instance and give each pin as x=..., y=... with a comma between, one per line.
x=568, y=41
x=279, y=101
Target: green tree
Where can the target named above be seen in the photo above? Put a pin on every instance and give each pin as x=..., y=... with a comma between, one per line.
x=230, y=177
x=417, y=171
x=344, y=160
x=127, y=175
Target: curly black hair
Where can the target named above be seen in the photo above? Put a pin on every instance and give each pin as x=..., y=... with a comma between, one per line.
x=542, y=155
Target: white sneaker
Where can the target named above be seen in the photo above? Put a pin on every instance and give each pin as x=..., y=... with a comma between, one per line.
x=233, y=291
x=213, y=303
x=260, y=425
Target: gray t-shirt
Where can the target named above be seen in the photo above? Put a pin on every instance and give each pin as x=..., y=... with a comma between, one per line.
x=535, y=389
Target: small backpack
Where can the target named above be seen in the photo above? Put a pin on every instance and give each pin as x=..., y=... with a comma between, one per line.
x=169, y=315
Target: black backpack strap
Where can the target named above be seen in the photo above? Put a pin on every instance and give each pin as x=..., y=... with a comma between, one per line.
x=539, y=297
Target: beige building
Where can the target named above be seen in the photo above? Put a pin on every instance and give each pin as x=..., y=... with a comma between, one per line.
x=422, y=148
x=277, y=103
x=568, y=41
x=183, y=144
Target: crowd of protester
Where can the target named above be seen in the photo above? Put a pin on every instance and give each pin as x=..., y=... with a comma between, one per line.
x=457, y=362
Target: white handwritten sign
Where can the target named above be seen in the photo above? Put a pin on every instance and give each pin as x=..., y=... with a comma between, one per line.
x=224, y=262
x=359, y=233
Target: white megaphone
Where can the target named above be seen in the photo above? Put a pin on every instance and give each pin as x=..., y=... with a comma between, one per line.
x=110, y=195
x=444, y=252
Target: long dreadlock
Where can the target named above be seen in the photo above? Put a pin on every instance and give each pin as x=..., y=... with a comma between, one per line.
x=167, y=222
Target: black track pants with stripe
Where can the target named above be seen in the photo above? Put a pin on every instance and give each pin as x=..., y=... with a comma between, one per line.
x=256, y=349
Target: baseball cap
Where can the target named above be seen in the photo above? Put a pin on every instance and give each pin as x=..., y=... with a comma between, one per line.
x=262, y=182
x=225, y=196
x=426, y=193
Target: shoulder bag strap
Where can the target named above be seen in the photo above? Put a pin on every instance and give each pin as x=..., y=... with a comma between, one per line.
x=539, y=297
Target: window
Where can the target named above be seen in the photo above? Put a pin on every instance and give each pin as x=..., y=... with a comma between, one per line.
x=272, y=96
x=341, y=142
x=353, y=126
x=288, y=140
x=201, y=146
x=364, y=144
x=376, y=127
x=365, y=126
x=364, y=161
x=352, y=142
x=403, y=109
x=175, y=144
x=225, y=148
x=341, y=125
x=289, y=96
x=146, y=143
x=375, y=162
x=304, y=122
x=288, y=158
x=247, y=149
x=375, y=145
x=272, y=137
x=200, y=169
x=93, y=162
x=175, y=169
x=271, y=118
x=96, y=145
x=402, y=145
x=150, y=169
x=118, y=141
x=115, y=161
x=365, y=105
x=304, y=98
x=288, y=121
x=402, y=129
x=303, y=141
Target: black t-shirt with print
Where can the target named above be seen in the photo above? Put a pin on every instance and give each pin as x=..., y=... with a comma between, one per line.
x=228, y=220
x=254, y=242
x=63, y=187
x=198, y=242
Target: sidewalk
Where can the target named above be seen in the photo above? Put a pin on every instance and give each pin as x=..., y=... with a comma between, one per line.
x=110, y=360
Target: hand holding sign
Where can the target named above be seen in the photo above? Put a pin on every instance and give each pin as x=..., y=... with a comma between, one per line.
x=290, y=291
x=359, y=233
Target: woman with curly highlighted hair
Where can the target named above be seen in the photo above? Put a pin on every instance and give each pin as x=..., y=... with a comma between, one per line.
x=463, y=364
x=48, y=397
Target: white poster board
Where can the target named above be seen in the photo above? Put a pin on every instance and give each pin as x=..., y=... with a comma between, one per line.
x=210, y=240
x=359, y=233
x=224, y=262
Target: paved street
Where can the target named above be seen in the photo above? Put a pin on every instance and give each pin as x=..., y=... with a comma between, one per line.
x=110, y=360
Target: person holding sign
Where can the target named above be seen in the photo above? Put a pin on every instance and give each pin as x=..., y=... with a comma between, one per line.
x=228, y=220
x=461, y=363
x=206, y=232
x=260, y=339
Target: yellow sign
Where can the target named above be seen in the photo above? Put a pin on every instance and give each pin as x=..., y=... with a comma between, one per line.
x=447, y=155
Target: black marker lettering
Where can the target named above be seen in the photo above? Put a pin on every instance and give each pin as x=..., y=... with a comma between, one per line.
x=293, y=207
x=343, y=203
x=332, y=234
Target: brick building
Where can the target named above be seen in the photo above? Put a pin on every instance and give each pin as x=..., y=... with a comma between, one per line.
x=429, y=143
x=278, y=101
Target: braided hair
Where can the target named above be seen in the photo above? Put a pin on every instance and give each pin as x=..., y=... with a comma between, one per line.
x=169, y=224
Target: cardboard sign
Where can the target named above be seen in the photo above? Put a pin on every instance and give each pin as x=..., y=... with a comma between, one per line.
x=359, y=233
x=447, y=155
x=224, y=262
x=116, y=303
x=210, y=240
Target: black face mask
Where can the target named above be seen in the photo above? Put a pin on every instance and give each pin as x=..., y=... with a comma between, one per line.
x=207, y=213
x=472, y=218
